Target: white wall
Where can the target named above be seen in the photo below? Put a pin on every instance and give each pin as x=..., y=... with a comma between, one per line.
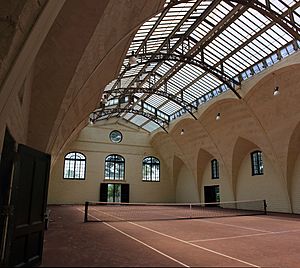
x=268, y=186
x=94, y=142
x=186, y=187
x=225, y=188
x=296, y=186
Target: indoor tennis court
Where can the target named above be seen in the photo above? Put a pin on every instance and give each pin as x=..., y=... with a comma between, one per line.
x=150, y=133
x=237, y=241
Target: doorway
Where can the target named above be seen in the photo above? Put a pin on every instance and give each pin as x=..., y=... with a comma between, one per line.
x=24, y=175
x=114, y=192
x=212, y=194
x=6, y=167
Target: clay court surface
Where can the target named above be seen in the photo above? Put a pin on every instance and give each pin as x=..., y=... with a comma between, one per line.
x=244, y=241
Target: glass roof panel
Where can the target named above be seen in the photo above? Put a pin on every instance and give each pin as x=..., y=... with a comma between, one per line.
x=150, y=126
x=138, y=120
x=196, y=29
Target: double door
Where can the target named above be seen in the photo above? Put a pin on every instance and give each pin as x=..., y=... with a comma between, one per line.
x=24, y=174
x=212, y=194
x=114, y=192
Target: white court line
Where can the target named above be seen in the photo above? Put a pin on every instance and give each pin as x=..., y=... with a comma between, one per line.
x=233, y=225
x=180, y=240
x=197, y=246
x=137, y=240
x=241, y=236
x=271, y=219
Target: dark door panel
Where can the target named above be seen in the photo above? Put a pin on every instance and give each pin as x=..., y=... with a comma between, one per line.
x=103, y=192
x=29, y=199
x=6, y=167
x=125, y=193
x=211, y=194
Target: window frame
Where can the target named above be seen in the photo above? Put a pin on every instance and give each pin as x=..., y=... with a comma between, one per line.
x=75, y=160
x=114, y=173
x=256, y=163
x=152, y=165
x=215, y=167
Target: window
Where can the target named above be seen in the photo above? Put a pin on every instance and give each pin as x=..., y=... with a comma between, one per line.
x=214, y=169
x=74, y=168
x=257, y=163
x=116, y=136
x=114, y=167
x=151, y=169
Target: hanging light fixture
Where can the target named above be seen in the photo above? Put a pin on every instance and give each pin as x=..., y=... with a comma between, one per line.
x=182, y=132
x=218, y=117
x=132, y=59
x=276, y=91
x=104, y=98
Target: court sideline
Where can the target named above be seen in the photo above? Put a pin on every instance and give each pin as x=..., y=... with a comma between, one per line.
x=247, y=241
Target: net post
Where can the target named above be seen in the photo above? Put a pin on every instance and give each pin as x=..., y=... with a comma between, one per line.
x=265, y=206
x=190, y=210
x=86, y=208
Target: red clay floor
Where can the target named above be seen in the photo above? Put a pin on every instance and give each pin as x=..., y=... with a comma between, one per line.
x=246, y=241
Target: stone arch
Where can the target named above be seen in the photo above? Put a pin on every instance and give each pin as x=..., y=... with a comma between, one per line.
x=266, y=78
x=293, y=154
x=202, y=160
x=269, y=186
x=184, y=181
x=183, y=123
x=241, y=148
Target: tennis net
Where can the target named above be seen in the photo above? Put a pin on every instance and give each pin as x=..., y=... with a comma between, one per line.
x=108, y=212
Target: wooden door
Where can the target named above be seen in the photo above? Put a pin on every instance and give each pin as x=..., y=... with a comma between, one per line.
x=29, y=199
x=211, y=194
x=103, y=192
x=125, y=193
x=6, y=166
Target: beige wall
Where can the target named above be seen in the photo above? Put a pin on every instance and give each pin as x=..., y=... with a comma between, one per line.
x=259, y=120
x=296, y=186
x=223, y=182
x=268, y=186
x=186, y=186
x=94, y=143
x=16, y=117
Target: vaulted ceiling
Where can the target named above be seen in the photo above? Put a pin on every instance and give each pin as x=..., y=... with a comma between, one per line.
x=193, y=51
x=154, y=60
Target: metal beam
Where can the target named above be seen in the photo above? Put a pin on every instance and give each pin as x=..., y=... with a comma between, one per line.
x=131, y=90
x=266, y=10
x=161, y=57
x=100, y=114
x=161, y=17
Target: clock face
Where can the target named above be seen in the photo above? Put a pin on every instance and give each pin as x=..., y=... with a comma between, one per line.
x=115, y=136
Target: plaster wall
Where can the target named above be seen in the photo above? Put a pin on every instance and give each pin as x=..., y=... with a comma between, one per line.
x=259, y=120
x=16, y=118
x=223, y=182
x=268, y=186
x=296, y=186
x=186, y=188
x=94, y=143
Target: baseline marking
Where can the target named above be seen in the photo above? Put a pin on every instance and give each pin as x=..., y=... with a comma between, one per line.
x=233, y=225
x=272, y=219
x=137, y=240
x=197, y=246
x=241, y=236
x=175, y=238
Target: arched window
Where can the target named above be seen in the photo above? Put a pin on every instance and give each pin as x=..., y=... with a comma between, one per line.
x=114, y=167
x=74, y=168
x=257, y=163
x=151, y=169
x=214, y=169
